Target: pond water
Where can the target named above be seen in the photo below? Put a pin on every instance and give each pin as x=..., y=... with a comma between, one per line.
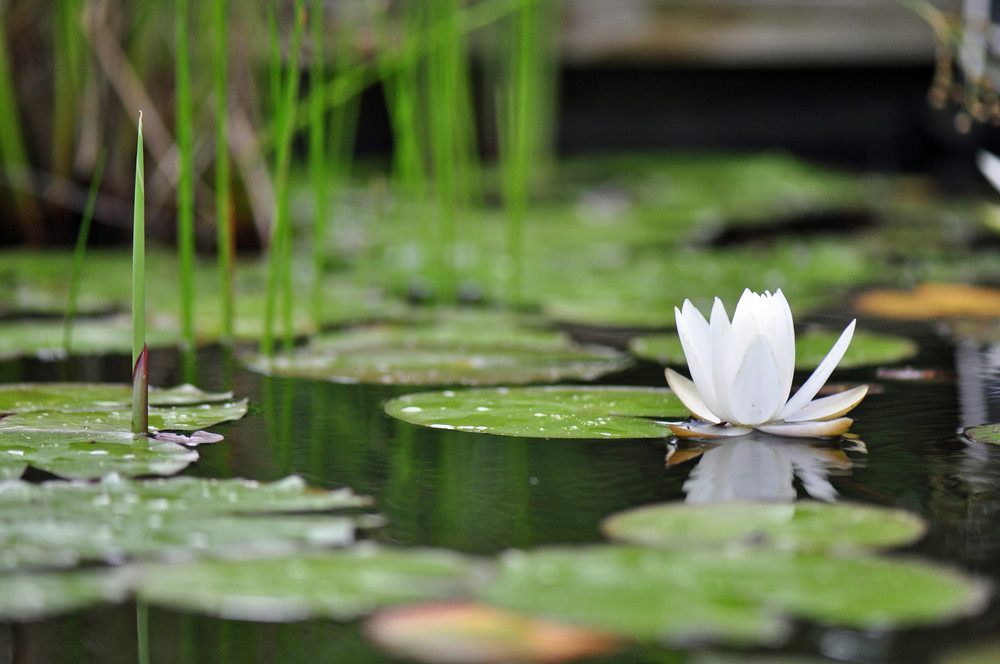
x=482, y=494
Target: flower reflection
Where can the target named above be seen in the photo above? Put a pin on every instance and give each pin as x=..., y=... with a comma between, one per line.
x=761, y=467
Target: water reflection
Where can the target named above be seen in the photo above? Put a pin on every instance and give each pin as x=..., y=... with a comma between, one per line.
x=760, y=467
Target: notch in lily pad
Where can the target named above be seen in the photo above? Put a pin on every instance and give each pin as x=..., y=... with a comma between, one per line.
x=545, y=412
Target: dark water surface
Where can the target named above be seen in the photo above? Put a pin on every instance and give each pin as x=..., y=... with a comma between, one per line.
x=481, y=494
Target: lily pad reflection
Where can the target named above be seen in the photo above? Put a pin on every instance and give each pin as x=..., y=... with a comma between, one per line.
x=545, y=412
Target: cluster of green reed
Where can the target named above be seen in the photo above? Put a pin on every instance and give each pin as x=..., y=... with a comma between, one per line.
x=243, y=107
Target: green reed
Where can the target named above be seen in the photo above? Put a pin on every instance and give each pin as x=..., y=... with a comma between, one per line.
x=69, y=67
x=279, y=259
x=13, y=153
x=140, y=353
x=318, y=171
x=185, y=179
x=223, y=207
x=80, y=252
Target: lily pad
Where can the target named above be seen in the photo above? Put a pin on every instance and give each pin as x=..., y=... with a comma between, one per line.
x=987, y=433
x=478, y=634
x=91, y=336
x=736, y=595
x=30, y=597
x=29, y=397
x=800, y=526
x=84, y=431
x=66, y=523
x=492, y=353
x=811, y=346
x=932, y=300
x=340, y=584
x=545, y=412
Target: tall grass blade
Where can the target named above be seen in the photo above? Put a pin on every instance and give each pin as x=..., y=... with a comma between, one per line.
x=69, y=58
x=139, y=252
x=317, y=154
x=279, y=259
x=81, y=250
x=185, y=181
x=140, y=352
x=13, y=153
x=223, y=208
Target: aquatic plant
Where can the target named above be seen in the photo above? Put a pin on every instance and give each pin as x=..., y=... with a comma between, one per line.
x=140, y=352
x=741, y=373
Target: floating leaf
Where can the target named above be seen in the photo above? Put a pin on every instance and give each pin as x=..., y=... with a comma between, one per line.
x=931, y=300
x=448, y=354
x=479, y=634
x=44, y=338
x=65, y=523
x=340, y=584
x=799, y=526
x=738, y=595
x=30, y=597
x=811, y=346
x=545, y=412
x=84, y=431
x=28, y=397
x=987, y=433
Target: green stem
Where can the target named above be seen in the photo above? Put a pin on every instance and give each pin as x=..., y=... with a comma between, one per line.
x=279, y=260
x=223, y=209
x=139, y=253
x=317, y=157
x=81, y=250
x=185, y=181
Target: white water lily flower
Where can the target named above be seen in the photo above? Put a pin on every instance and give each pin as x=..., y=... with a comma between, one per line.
x=742, y=373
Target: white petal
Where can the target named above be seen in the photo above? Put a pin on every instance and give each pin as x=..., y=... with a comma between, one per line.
x=689, y=395
x=756, y=393
x=989, y=165
x=818, y=378
x=783, y=345
x=830, y=407
x=693, y=330
x=749, y=320
x=827, y=429
x=700, y=430
x=725, y=360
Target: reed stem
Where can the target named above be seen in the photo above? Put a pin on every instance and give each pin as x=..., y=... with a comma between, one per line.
x=185, y=181
x=81, y=250
x=223, y=209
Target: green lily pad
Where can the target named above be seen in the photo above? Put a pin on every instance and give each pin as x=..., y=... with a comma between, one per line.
x=340, y=584
x=811, y=346
x=736, y=595
x=545, y=412
x=91, y=336
x=494, y=351
x=84, y=431
x=987, y=433
x=799, y=526
x=66, y=523
x=29, y=397
x=30, y=597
